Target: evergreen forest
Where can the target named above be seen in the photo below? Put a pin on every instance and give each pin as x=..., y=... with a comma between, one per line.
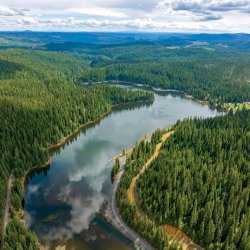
x=40, y=105
x=199, y=183
x=52, y=83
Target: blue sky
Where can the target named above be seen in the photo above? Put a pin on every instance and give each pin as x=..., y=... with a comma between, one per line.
x=126, y=15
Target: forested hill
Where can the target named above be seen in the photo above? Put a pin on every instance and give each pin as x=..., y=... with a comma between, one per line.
x=39, y=105
x=212, y=67
x=41, y=102
x=200, y=182
x=217, y=81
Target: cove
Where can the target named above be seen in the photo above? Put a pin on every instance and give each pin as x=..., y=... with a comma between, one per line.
x=61, y=202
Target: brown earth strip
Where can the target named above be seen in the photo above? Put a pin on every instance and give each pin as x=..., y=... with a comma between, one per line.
x=174, y=234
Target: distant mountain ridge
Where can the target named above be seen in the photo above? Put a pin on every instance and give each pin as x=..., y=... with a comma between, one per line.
x=30, y=39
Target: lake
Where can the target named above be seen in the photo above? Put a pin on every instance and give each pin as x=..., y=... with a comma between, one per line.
x=61, y=202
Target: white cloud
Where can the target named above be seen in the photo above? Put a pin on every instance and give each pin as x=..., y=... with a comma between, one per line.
x=116, y=15
x=95, y=11
x=5, y=11
x=206, y=6
x=139, y=24
x=204, y=10
x=27, y=21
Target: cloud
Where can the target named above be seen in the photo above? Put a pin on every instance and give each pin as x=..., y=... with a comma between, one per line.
x=5, y=11
x=29, y=219
x=85, y=182
x=123, y=15
x=81, y=213
x=199, y=23
x=27, y=21
x=226, y=5
x=95, y=7
x=99, y=12
x=206, y=6
x=204, y=10
x=209, y=18
x=141, y=5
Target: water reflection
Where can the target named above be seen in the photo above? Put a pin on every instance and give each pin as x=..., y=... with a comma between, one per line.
x=61, y=202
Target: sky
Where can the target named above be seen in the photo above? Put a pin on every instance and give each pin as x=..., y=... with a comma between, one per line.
x=126, y=15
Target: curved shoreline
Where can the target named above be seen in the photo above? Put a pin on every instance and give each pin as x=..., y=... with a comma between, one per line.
x=112, y=215
x=136, y=84
x=20, y=213
x=61, y=143
x=158, y=90
x=185, y=242
x=64, y=140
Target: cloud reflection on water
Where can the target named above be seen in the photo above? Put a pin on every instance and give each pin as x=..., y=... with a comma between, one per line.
x=84, y=180
x=79, y=178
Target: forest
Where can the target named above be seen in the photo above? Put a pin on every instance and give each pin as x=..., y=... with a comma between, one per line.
x=144, y=225
x=43, y=99
x=38, y=89
x=214, y=74
x=218, y=82
x=214, y=68
x=198, y=183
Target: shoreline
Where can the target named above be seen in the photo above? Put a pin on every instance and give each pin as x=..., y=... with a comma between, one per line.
x=159, y=90
x=20, y=213
x=185, y=242
x=65, y=139
x=61, y=143
x=132, y=197
x=29, y=171
x=110, y=211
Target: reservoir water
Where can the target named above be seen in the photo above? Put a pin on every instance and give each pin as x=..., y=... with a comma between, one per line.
x=62, y=202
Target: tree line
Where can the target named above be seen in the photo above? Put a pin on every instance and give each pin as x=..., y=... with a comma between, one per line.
x=142, y=223
x=39, y=105
x=200, y=182
x=218, y=82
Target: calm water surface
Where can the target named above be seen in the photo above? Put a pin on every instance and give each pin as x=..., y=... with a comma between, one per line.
x=75, y=186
